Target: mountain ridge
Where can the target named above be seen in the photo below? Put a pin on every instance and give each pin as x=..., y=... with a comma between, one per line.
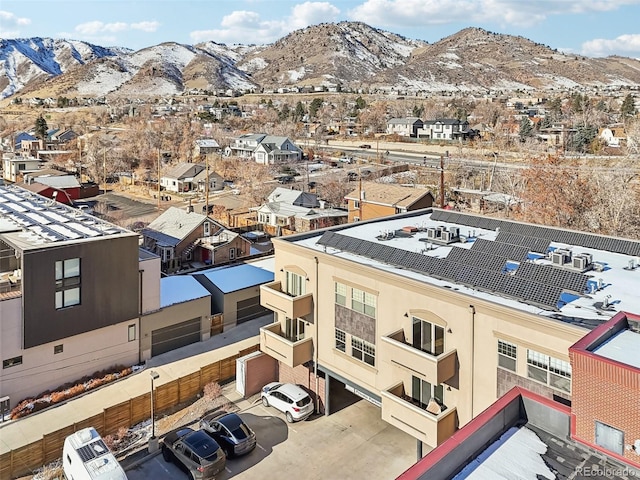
x=345, y=55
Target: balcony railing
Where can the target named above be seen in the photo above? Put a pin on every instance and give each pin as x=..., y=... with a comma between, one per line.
x=399, y=410
x=434, y=369
x=274, y=343
x=274, y=298
x=11, y=282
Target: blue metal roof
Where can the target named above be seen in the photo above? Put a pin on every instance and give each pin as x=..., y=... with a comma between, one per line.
x=180, y=288
x=237, y=277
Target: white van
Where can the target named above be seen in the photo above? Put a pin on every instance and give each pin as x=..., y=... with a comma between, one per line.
x=86, y=457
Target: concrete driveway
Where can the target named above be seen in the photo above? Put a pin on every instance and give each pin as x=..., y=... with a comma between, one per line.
x=353, y=443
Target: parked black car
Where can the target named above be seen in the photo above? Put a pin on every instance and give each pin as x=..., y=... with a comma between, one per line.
x=286, y=179
x=229, y=430
x=195, y=452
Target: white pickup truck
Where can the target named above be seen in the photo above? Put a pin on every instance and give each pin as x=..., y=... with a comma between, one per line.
x=346, y=159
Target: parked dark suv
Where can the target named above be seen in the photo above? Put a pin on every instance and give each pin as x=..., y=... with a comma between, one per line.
x=229, y=430
x=286, y=179
x=195, y=452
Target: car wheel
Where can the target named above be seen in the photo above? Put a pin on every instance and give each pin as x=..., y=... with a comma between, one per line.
x=265, y=402
x=289, y=417
x=166, y=454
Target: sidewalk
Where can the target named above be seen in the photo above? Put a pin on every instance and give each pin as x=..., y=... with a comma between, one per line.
x=170, y=366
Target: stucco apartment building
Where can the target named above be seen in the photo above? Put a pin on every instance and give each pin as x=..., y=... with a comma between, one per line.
x=432, y=315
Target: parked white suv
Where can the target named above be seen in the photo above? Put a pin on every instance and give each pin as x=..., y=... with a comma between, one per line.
x=290, y=399
x=346, y=159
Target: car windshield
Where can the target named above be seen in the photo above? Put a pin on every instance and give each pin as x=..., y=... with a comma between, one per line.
x=235, y=426
x=203, y=445
x=303, y=401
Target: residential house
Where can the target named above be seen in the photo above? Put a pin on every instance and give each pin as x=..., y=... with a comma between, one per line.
x=289, y=210
x=405, y=127
x=447, y=129
x=433, y=327
x=69, y=288
x=14, y=167
x=557, y=136
x=188, y=177
x=184, y=239
x=206, y=146
x=613, y=135
x=373, y=200
x=62, y=188
x=266, y=149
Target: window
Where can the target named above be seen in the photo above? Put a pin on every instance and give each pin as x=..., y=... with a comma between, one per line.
x=206, y=229
x=295, y=284
x=67, y=283
x=341, y=294
x=232, y=254
x=132, y=332
x=363, y=302
x=58, y=349
x=428, y=337
x=356, y=204
x=12, y=362
x=341, y=340
x=507, y=355
x=548, y=370
x=422, y=392
x=363, y=351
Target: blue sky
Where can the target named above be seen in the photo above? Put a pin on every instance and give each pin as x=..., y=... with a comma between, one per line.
x=586, y=27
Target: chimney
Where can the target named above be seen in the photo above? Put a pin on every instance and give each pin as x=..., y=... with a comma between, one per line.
x=321, y=202
x=190, y=209
x=362, y=195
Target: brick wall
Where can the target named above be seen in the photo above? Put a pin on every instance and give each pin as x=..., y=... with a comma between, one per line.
x=609, y=393
x=259, y=371
x=507, y=380
x=303, y=376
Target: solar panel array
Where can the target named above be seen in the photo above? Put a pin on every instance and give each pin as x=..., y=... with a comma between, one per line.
x=486, y=276
x=572, y=281
x=93, y=450
x=587, y=240
x=533, y=244
x=509, y=252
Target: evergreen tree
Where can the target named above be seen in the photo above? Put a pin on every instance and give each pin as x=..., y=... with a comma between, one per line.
x=628, y=108
x=41, y=128
x=526, y=129
x=316, y=103
x=299, y=111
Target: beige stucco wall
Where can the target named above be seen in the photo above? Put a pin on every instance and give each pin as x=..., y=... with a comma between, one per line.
x=174, y=314
x=475, y=326
x=150, y=269
x=42, y=370
x=231, y=302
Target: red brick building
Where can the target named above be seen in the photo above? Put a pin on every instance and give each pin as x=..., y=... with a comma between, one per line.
x=605, y=407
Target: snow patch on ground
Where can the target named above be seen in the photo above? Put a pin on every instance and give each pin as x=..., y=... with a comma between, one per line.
x=449, y=55
x=295, y=75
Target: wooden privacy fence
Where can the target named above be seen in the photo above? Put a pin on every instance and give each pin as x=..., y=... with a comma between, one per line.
x=25, y=460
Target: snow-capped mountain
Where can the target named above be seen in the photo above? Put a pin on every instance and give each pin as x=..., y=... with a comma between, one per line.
x=350, y=55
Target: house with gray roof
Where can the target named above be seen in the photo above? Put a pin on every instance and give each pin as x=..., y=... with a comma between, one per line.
x=266, y=149
x=447, y=129
x=405, y=127
x=188, y=177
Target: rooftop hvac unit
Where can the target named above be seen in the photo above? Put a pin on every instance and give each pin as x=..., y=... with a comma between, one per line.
x=447, y=236
x=432, y=233
x=560, y=257
x=581, y=262
x=455, y=232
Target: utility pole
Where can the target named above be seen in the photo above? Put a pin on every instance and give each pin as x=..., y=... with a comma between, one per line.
x=104, y=168
x=158, y=178
x=441, y=181
x=206, y=187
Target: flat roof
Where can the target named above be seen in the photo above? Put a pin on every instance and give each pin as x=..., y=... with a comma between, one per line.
x=29, y=220
x=622, y=347
x=492, y=261
x=180, y=288
x=237, y=277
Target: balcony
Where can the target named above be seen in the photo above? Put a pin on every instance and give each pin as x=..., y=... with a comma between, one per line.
x=434, y=369
x=292, y=353
x=399, y=410
x=274, y=298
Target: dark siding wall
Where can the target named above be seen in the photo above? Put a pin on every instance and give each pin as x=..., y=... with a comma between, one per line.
x=109, y=289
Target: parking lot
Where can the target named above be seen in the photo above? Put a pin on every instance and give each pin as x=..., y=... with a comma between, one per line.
x=353, y=443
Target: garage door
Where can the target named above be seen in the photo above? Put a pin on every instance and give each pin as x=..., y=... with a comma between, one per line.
x=175, y=336
x=249, y=309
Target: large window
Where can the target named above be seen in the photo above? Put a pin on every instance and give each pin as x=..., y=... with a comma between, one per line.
x=428, y=337
x=422, y=392
x=295, y=284
x=67, y=283
x=341, y=340
x=363, y=302
x=507, y=355
x=341, y=294
x=12, y=362
x=294, y=329
x=363, y=351
x=549, y=370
